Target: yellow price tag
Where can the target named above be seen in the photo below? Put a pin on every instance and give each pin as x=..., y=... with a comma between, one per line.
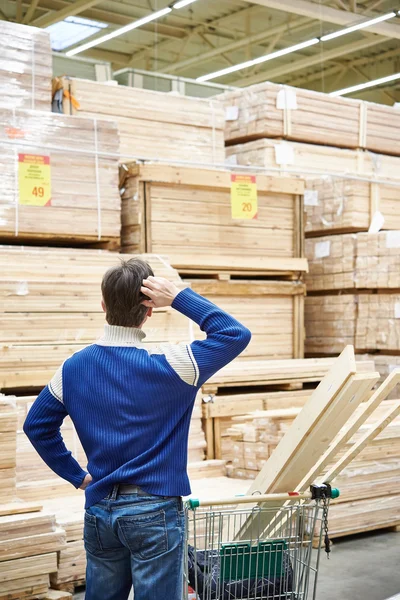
x=244, y=197
x=34, y=180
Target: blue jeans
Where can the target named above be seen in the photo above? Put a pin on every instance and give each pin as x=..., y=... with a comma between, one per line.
x=135, y=539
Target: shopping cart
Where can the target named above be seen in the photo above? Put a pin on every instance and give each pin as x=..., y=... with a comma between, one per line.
x=264, y=551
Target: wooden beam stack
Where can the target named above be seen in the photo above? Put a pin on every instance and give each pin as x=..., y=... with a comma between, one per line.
x=25, y=68
x=84, y=207
x=8, y=446
x=337, y=205
x=363, y=269
x=153, y=125
x=58, y=291
x=272, y=310
x=310, y=160
x=29, y=542
x=270, y=110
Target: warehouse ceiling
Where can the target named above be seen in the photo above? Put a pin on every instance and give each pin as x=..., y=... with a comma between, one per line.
x=210, y=35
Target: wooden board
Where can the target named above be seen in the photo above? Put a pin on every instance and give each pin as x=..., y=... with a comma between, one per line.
x=353, y=261
x=309, y=160
x=346, y=205
x=318, y=423
x=26, y=67
x=270, y=110
x=192, y=128
x=186, y=213
x=272, y=310
x=368, y=321
x=85, y=206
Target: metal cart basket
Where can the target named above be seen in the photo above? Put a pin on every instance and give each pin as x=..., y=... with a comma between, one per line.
x=239, y=549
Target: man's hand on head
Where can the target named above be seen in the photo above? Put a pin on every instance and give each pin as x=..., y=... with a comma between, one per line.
x=160, y=292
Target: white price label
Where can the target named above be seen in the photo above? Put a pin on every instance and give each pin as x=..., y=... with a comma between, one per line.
x=397, y=310
x=393, y=239
x=284, y=154
x=377, y=222
x=322, y=249
x=286, y=99
x=310, y=197
x=231, y=113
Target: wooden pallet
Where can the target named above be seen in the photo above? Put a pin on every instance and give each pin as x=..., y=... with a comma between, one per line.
x=186, y=214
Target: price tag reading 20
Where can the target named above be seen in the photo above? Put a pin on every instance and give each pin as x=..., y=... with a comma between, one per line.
x=244, y=197
x=34, y=180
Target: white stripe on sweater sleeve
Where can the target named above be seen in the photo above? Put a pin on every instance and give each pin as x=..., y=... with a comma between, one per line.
x=181, y=359
x=56, y=385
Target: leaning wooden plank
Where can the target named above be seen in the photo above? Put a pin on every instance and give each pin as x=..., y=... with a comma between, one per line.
x=16, y=508
x=367, y=409
x=319, y=422
x=369, y=435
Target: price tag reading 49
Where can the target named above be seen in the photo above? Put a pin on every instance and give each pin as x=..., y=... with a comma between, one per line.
x=244, y=196
x=34, y=180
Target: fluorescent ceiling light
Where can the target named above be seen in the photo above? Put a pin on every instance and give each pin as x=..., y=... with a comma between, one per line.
x=120, y=31
x=72, y=31
x=183, y=3
x=364, y=86
x=257, y=61
x=363, y=25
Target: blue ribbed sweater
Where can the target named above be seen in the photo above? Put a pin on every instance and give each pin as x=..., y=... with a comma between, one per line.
x=131, y=406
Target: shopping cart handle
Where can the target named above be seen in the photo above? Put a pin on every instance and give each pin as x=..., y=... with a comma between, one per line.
x=324, y=490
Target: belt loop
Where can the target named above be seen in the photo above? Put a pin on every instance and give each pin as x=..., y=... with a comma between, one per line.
x=114, y=493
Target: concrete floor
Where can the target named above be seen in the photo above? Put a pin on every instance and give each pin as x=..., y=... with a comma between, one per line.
x=365, y=567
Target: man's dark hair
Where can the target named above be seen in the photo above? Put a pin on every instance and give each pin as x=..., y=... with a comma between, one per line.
x=121, y=293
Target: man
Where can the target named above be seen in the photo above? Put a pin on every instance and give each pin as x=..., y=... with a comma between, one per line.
x=131, y=407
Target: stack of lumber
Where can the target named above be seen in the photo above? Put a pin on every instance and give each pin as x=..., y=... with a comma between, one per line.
x=272, y=310
x=341, y=205
x=153, y=125
x=84, y=205
x=241, y=388
x=72, y=557
x=364, y=269
x=353, y=261
x=307, y=159
x=29, y=541
x=255, y=438
x=8, y=447
x=270, y=110
x=369, y=321
x=186, y=214
x=51, y=308
x=25, y=68
x=385, y=365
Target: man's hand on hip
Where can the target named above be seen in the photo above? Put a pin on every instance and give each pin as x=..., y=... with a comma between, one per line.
x=85, y=482
x=160, y=292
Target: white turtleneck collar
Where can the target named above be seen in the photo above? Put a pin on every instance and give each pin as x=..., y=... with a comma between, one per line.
x=114, y=335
